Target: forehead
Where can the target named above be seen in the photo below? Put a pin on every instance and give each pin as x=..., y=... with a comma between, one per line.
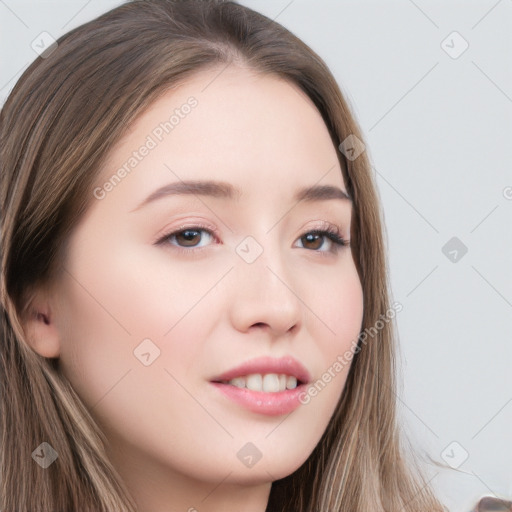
x=232, y=124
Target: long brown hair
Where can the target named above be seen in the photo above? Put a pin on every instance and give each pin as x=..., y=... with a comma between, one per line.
x=57, y=127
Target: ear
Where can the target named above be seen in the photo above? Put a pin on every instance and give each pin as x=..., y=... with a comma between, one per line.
x=39, y=325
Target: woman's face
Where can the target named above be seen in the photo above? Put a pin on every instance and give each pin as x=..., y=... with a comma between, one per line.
x=161, y=298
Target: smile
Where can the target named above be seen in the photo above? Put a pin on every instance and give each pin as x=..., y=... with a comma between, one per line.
x=268, y=383
x=265, y=385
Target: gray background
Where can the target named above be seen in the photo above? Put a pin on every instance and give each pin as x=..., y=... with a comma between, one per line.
x=438, y=131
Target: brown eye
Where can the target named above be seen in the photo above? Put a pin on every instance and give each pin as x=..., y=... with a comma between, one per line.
x=189, y=237
x=315, y=240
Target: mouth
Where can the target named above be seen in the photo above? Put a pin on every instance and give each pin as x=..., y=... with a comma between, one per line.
x=265, y=386
x=266, y=383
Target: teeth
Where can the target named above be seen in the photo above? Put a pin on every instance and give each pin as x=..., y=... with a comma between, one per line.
x=291, y=383
x=254, y=382
x=239, y=382
x=271, y=383
x=268, y=383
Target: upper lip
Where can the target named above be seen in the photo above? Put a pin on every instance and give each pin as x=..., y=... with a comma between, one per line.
x=287, y=365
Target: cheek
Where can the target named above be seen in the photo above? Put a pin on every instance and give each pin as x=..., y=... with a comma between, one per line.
x=95, y=344
x=340, y=313
x=340, y=308
x=151, y=291
x=149, y=405
x=119, y=313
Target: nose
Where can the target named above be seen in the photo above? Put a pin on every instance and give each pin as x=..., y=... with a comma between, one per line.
x=264, y=296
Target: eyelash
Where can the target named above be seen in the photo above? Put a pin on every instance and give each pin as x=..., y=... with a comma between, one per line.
x=328, y=230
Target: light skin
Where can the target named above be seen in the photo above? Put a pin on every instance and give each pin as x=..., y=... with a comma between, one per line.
x=172, y=436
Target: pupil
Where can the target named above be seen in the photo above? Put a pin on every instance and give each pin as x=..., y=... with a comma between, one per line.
x=189, y=235
x=313, y=238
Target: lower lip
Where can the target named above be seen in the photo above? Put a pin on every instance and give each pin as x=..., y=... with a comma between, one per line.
x=269, y=404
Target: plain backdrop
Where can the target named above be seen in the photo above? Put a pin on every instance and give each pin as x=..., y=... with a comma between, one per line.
x=430, y=83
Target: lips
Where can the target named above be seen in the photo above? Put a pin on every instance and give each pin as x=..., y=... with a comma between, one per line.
x=266, y=368
x=265, y=385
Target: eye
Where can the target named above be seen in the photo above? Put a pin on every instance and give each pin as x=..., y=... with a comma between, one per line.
x=189, y=238
x=317, y=238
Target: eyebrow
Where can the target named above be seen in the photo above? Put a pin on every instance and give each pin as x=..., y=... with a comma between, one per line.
x=223, y=190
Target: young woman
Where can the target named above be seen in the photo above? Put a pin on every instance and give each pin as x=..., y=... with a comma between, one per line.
x=195, y=312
